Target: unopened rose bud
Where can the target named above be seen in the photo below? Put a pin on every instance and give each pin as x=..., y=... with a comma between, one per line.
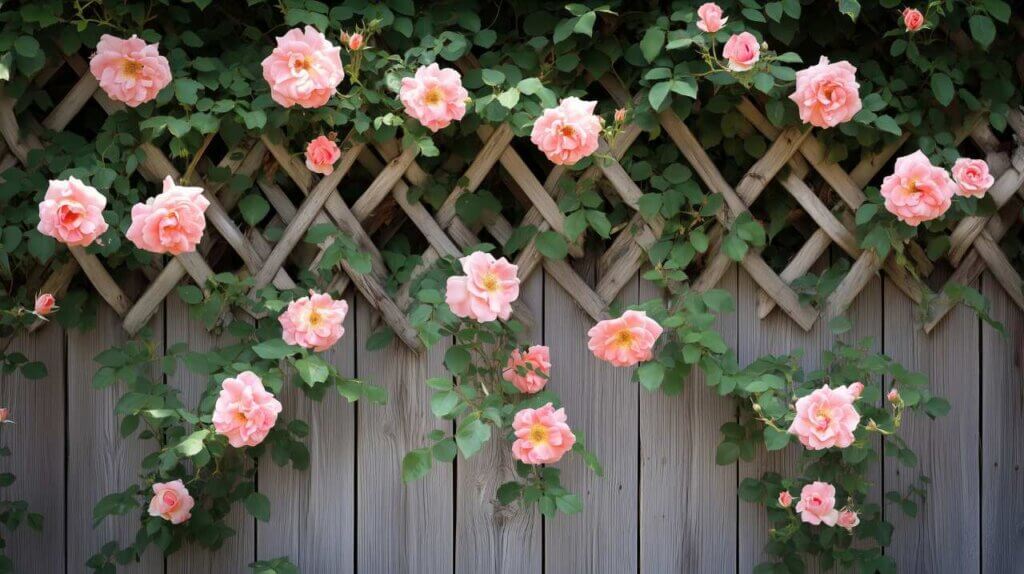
x=872, y=425
x=344, y=37
x=757, y=408
x=3, y=414
x=785, y=499
x=913, y=19
x=893, y=396
x=355, y=42
x=856, y=389
x=45, y=304
x=620, y=115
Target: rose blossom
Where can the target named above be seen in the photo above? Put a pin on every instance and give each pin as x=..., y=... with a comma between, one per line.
x=913, y=19
x=893, y=396
x=172, y=222
x=742, y=51
x=486, y=291
x=818, y=504
x=856, y=389
x=848, y=519
x=304, y=68
x=972, y=177
x=917, y=190
x=825, y=418
x=568, y=133
x=129, y=71
x=536, y=362
x=4, y=412
x=434, y=97
x=827, y=94
x=785, y=499
x=542, y=435
x=620, y=115
x=625, y=341
x=315, y=322
x=321, y=155
x=72, y=212
x=710, y=15
x=245, y=412
x=171, y=501
x=355, y=41
x=45, y=304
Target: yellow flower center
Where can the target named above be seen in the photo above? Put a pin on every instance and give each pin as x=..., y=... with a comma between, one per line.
x=433, y=96
x=131, y=68
x=300, y=63
x=490, y=282
x=538, y=434
x=568, y=131
x=824, y=415
x=315, y=319
x=240, y=418
x=624, y=338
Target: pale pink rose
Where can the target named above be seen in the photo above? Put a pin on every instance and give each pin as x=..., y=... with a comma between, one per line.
x=315, y=322
x=321, y=155
x=856, y=389
x=486, y=291
x=172, y=222
x=129, y=71
x=171, y=501
x=710, y=15
x=542, y=435
x=620, y=115
x=893, y=396
x=785, y=499
x=825, y=418
x=917, y=190
x=568, y=133
x=827, y=94
x=245, y=412
x=818, y=504
x=536, y=362
x=913, y=19
x=355, y=41
x=972, y=177
x=45, y=304
x=304, y=69
x=434, y=96
x=625, y=341
x=848, y=519
x=72, y=212
x=742, y=50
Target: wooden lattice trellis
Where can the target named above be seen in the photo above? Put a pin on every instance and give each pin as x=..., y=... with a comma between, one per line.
x=794, y=155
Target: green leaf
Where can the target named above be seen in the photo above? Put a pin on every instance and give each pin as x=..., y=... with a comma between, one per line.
x=34, y=370
x=254, y=208
x=416, y=464
x=509, y=492
x=727, y=453
x=585, y=24
x=471, y=436
x=886, y=123
x=275, y=349
x=186, y=90
x=26, y=46
x=658, y=94
x=443, y=403
x=190, y=294
x=258, y=505
x=312, y=369
x=652, y=43
x=552, y=245
x=193, y=443
x=983, y=29
x=775, y=439
x=457, y=360
x=651, y=375
x=850, y=7
x=942, y=87
x=569, y=503
x=840, y=325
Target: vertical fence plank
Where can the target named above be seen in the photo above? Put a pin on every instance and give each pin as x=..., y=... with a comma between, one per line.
x=944, y=537
x=490, y=538
x=238, y=551
x=36, y=441
x=1002, y=434
x=401, y=527
x=312, y=518
x=687, y=502
x=99, y=460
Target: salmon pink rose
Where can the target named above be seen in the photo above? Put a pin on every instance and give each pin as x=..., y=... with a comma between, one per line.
x=742, y=50
x=72, y=212
x=315, y=322
x=818, y=504
x=129, y=71
x=568, y=133
x=486, y=291
x=972, y=177
x=321, y=155
x=4, y=413
x=171, y=501
x=917, y=190
x=245, y=412
x=172, y=222
x=913, y=19
x=304, y=69
x=825, y=418
x=528, y=371
x=355, y=41
x=856, y=389
x=542, y=435
x=45, y=304
x=434, y=97
x=710, y=15
x=625, y=341
x=827, y=94
x=785, y=499
x=848, y=519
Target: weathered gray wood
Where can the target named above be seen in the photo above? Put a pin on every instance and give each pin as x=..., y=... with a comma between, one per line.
x=400, y=527
x=36, y=441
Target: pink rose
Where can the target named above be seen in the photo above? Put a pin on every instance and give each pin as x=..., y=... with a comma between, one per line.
x=913, y=19
x=129, y=71
x=45, y=304
x=568, y=133
x=72, y=212
x=742, y=51
x=856, y=389
x=848, y=519
x=172, y=222
x=818, y=504
x=304, y=68
x=321, y=155
x=785, y=499
x=434, y=97
x=917, y=190
x=893, y=396
x=542, y=435
x=972, y=177
x=171, y=501
x=625, y=341
x=315, y=322
x=529, y=371
x=486, y=291
x=825, y=418
x=4, y=412
x=355, y=41
x=710, y=16
x=620, y=115
x=245, y=412
x=827, y=94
